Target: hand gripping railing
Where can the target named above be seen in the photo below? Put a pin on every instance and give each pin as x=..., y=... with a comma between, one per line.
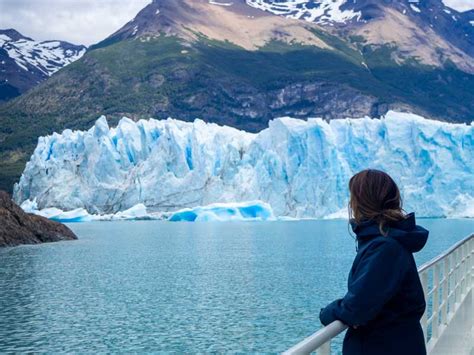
x=446, y=280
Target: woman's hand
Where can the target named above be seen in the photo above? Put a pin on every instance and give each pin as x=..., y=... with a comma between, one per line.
x=326, y=315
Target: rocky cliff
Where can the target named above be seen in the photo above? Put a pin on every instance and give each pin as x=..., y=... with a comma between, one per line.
x=18, y=227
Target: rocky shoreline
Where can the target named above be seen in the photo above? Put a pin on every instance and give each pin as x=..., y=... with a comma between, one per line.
x=18, y=227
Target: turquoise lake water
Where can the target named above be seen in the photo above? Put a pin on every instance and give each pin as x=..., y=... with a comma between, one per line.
x=150, y=286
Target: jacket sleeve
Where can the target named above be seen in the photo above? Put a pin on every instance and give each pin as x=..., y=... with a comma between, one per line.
x=376, y=279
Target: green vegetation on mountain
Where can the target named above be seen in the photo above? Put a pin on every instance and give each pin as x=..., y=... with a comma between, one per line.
x=223, y=83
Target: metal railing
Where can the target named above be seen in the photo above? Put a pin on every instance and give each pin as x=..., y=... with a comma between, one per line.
x=446, y=280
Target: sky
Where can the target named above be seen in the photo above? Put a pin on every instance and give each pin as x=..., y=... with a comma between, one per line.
x=76, y=21
x=88, y=21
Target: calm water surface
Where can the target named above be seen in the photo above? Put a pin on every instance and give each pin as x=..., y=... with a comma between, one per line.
x=159, y=286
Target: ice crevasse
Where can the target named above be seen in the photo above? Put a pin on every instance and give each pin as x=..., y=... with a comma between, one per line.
x=299, y=168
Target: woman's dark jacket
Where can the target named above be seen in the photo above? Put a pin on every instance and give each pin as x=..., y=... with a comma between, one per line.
x=385, y=298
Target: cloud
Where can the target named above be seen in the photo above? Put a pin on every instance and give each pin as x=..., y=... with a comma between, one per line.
x=88, y=21
x=460, y=5
x=77, y=21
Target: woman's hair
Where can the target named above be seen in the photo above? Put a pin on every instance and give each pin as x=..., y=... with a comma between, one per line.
x=375, y=196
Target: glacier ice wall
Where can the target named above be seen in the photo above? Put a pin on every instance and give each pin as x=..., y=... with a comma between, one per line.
x=301, y=168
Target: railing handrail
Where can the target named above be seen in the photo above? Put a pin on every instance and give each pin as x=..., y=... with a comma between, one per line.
x=318, y=339
x=323, y=336
x=444, y=254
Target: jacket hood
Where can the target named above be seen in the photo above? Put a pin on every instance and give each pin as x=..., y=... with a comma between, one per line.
x=406, y=232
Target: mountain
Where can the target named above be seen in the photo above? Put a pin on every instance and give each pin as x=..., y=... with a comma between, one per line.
x=300, y=168
x=425, y=30
x=234, y=64
x=24, y=63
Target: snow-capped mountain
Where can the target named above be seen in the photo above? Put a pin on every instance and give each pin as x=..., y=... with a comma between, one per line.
x=231, y=21
x=425, y=30
x=25, y=62
x=301, y=168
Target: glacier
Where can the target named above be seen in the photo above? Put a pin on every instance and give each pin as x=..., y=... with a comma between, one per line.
x=299, y=168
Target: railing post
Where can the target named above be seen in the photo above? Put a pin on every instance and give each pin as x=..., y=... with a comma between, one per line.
x=444, y=308
x=424, y=319
x=457, y=287
x=464, y=269
x=436, y=285
x=450, y=284
x=471, y=258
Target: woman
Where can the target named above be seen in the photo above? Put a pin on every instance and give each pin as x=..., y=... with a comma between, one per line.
x=385, y=301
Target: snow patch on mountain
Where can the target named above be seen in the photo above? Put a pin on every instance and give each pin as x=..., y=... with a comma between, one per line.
x=322, y=11
x=213, y=2
x=300, y=168
x=47, y=56
x=415, y=8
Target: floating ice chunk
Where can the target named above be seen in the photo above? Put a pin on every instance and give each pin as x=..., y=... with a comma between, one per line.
x=220, y=212
x=244, y=211
x=137, y=212
x=55, y=214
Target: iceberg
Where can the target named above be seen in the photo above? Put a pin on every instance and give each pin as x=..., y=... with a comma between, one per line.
x=137, y=212
x=56, y=214
x=217, y=212
x=221, y=212
x=77, y=215
x=299, y=168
